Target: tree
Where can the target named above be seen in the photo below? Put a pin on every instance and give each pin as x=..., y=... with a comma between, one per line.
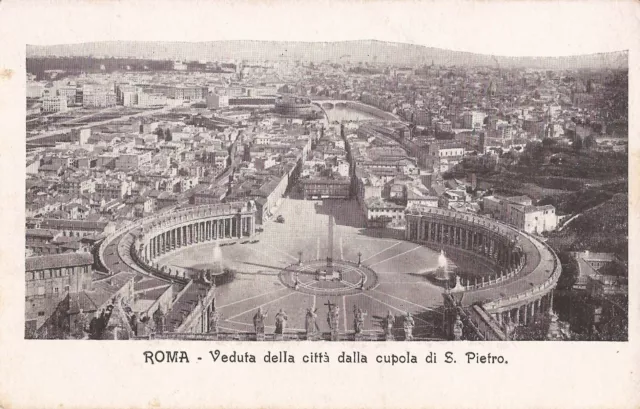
x=159, y=132
x=547, y=143
x=570, y=271
x=589, y=142
x=577, y=143
x=534, y=152
x=167, y=135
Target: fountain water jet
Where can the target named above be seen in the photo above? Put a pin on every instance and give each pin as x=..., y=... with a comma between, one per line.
x=442, y=260
x=443, y=267
x=217, y=259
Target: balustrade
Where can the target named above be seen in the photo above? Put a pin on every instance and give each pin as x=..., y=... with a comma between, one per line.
x=488, y=238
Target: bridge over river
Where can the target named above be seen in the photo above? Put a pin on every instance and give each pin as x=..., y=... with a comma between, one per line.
x=339, y=109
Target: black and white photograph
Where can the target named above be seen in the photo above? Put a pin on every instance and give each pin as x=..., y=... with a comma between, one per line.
x=336, y=191
x=336, y=204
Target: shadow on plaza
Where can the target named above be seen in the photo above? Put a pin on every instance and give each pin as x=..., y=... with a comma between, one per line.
x=382, y=233
x=346, y=212
x=276, y=268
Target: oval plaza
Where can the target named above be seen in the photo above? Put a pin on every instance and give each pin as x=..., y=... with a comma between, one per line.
x=515, y=283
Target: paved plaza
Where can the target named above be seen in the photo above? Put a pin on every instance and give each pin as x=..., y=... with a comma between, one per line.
x=398, y=267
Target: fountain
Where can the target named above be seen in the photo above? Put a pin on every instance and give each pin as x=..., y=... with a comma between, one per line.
x=441, y=275
x=443, y=267
x=217, y=260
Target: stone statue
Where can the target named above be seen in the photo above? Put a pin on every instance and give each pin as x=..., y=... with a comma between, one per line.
x=333, y=317
x=159, y=320
x=258, y=322
x=358, y=321
x=213, y=322
x=281, y=321
x=457, y=328
x=389, y=321
x=310, y=324
x=408, y=327
x=510, y=329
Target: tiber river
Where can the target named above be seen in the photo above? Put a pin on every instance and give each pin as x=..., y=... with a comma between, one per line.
x=352, y=113
x=348, y=114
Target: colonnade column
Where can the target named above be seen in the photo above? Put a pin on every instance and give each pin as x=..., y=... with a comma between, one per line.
x=467, y=243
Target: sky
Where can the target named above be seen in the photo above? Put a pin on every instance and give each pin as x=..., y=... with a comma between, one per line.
x=516, y=28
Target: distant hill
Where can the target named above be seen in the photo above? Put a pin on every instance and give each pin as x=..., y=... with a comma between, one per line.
x=365, y=51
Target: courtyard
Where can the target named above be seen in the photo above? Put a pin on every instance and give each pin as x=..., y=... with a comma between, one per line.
x=400, y=270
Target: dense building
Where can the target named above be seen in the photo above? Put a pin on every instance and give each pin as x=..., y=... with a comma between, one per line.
x=75, y=186
x=520, y=212
x=132, y=160
x=473, y=120
x=49, y=280
x=48, y=241
x=215, y=101
x=445, y=149
x=151, y=99
x=72, y=228
x=187, y=93
x=320, y=188
x=111, y=189
x=54, y=104
x=257, y=101
x=600, y=274
x=98, y=98
x=68, y=92
x=377, y=209
x=291, y=105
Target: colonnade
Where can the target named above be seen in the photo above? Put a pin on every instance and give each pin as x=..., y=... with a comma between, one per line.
x=524, y=314
x=502, y=246
x=199, y=231
x=425, y=229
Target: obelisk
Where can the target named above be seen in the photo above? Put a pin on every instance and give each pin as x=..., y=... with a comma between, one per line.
x=330, y=246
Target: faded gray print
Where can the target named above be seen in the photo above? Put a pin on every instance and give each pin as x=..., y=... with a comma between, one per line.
x=349, y=191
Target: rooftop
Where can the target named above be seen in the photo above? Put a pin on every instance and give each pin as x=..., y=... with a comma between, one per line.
x=58, y=261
